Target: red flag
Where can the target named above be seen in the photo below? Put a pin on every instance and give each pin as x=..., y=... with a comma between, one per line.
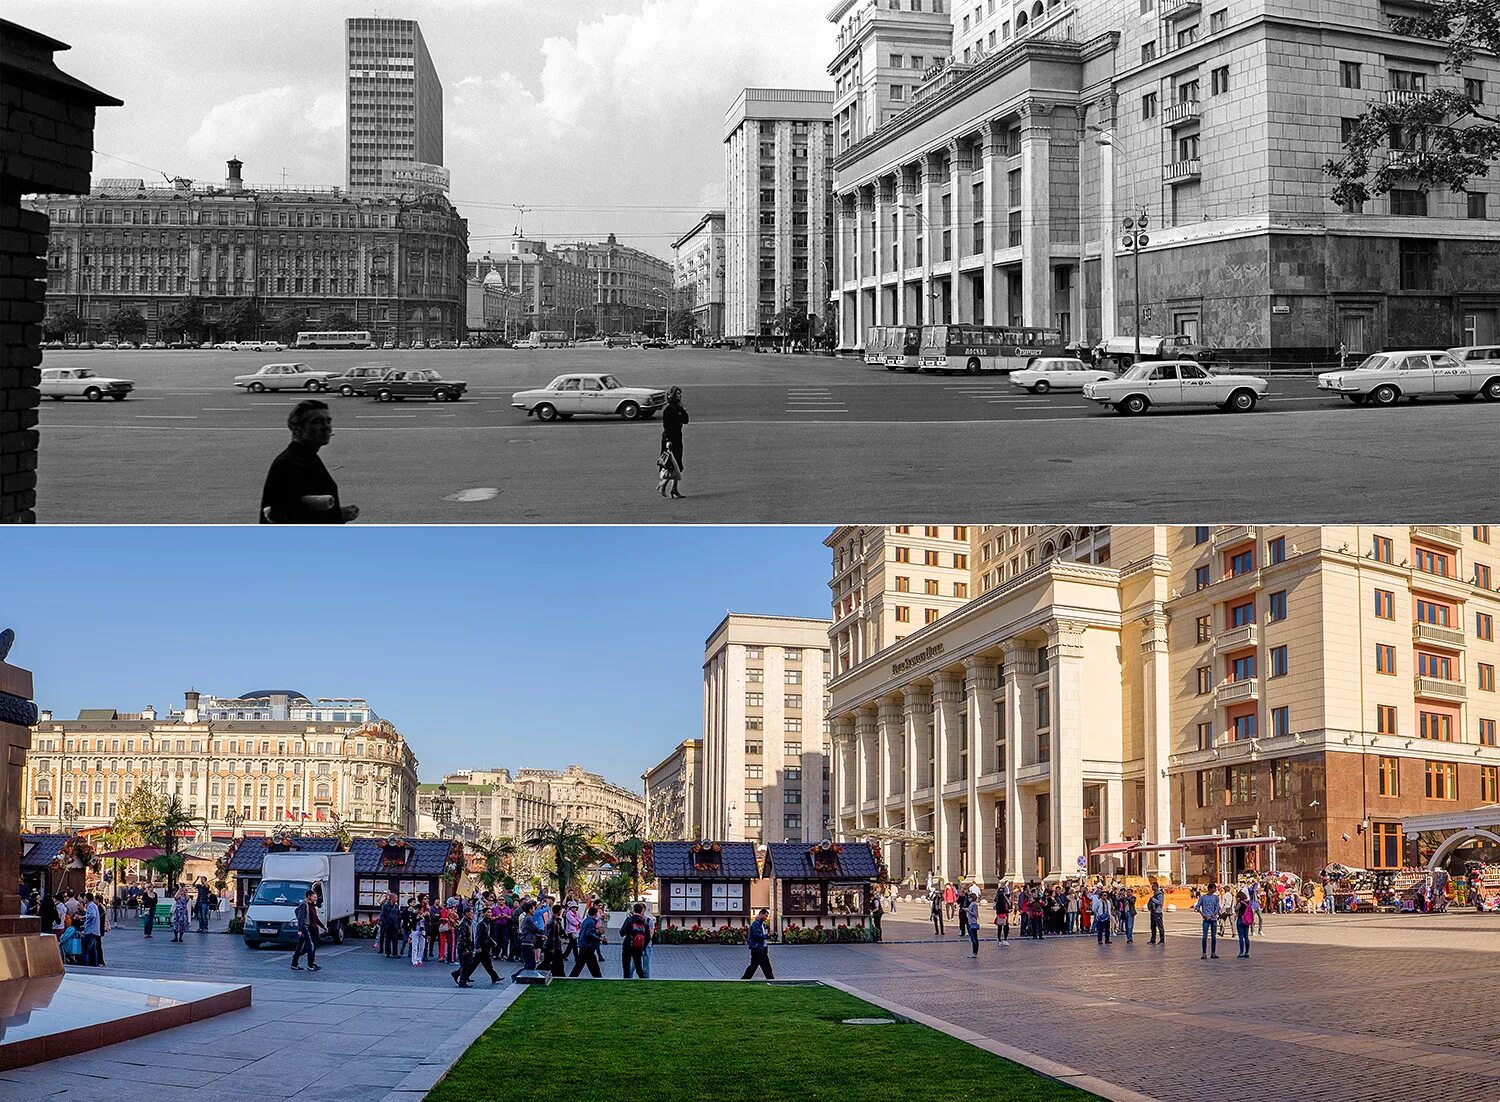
x=320, y=815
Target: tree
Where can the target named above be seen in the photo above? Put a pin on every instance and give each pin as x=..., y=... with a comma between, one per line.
x=156, y=820
x=499, y=855
x=569, y=846
x=128, y=323
x=286, y=325
x=1444, y=137
x=627, y=837
x=684, y=326
x=62, y=324
x=338, y=320
x=184, y=319
x=242, y=318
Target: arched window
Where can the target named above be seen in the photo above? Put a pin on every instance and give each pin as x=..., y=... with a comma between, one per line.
x=1021, y=20
x=1038, y=10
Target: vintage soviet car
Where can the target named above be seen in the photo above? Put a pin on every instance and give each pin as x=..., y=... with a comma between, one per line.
x=1176, y=383
x=1384, y=378
x=568, y=395
x=79, y=382
x=285, y=377
x=402, y=382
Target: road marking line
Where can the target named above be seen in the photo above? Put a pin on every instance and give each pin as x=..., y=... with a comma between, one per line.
x=169, y=416
x=370, y=416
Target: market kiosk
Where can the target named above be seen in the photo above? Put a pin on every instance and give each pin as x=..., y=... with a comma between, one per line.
x=703, y=884
x=1463, y=844
x=826, y=885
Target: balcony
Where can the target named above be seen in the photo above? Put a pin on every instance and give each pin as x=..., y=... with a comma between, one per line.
x=1403, y=160
x=1171, y=10
x=1436, y=689
x=1403, y=95
x=1180, y=113
x=1228, y=535
x=1246, y=635
x=1450, y=534
x=1180, y=172
x=1236, y=692
x=1438, y=636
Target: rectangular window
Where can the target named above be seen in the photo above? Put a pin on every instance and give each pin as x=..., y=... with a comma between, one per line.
x=1205, y=736
x=1380, y=549
x=1205, y=680
x=1241, y=784
x=1433, y=612
x=1390, y=776
x=1276, y=550
x=1482, y=533
x=1281, y=779
x=1276, y=604
x=903, y=554
x=755, y=772
x=1148, y=105
x=1411, y=204
x=1242, y=562
x=1242, y=668
x=1385, y=604
x=1044, y=707
x=1218, y=81
x=1202, y=577
x=903, y=614
x=1489, y=783
x=1477, y=204
x=1385, y=658
x=1349, y=74
x=1246, y=727
x=1486, y=732
x=1218, y=20
x=1436, y=726
x=792, y=701
x=1385, y=845
x=1148, y=52
x=754, y=700
x=1385, y=719
x=1205, y=787
x=1281, y=722
x=1441, y=780
x=1201, y=534
x=1482, y=575
x=929, y=615
x=755, y=748
x=903, y=584
x=1486, y=677
x=1205, y=630
x=1242, y=614
x=1431, y=562
x=1278, y=661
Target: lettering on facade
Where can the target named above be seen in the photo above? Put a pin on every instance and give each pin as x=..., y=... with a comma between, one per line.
x=917, y=659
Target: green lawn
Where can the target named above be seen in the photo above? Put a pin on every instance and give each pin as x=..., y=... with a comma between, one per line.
x=640, y=1042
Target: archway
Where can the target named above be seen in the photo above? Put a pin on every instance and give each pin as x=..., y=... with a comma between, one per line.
x=1456, y=839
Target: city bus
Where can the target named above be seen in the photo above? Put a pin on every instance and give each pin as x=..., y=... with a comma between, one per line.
x=903, y=348
x=549, y=338
x=976, y=348
x=335, y=339
x=875, y=341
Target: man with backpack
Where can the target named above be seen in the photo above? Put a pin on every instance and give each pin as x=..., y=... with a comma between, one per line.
x=757, y=940
x=635, y=935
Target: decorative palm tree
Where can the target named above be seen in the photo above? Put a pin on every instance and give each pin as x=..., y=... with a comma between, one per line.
x=499, y=855
x=569, y=845
x=627, y=836
x=160, y=827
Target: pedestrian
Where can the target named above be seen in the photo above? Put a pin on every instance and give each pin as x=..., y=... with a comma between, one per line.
x=308, y=925
x=390, y=926
x=971, y=912
x=1255, y=905
x=588, y=945
x=299, y=489
x=526, y=937
x=1127, y=914
x=49, y=913
x=1154, y=908
x=148, y=905
x=432, y=921
x=758, y=939
x=877, y=906
x=1207, y=906
x=937, y=912
x=1036, y=915
x=950, y=900
x=963, y=916
x=1244, y=921
x=201, y=895
x=179, y=913
x=635, y=935
x=673, y=417
x=463, y=947
x=93, y=916
x=418, y=934
x=1101, y=908
x=552, y=944
x=1072, y=912
x=1002, y=915
x=572, y=924
x=650, y=941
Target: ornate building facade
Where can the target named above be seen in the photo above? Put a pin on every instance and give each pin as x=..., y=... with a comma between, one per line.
x=671, y=787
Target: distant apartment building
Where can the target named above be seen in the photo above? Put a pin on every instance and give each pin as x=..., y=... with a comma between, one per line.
x=698, y=273
x=472, y=803
x=882, y=50
x=394, y=107
x=284, y=704
x=629, y=290
x=1153, y=699
x=583, y=797
x=778, y=151
x=671, y=787
x=764, y=760
x=538, y=288
x=997, y=197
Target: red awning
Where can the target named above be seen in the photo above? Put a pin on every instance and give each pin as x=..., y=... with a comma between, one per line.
x=135, y=853
x=1200, y=840
x=1112, y=847
x=1158, y=847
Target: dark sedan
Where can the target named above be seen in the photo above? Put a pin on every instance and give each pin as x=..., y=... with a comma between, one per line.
x=402, y=383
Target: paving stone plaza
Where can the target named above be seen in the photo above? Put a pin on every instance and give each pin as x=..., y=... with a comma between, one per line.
x=1343, y=1007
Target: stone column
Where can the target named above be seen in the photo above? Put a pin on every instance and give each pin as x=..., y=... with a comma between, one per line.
x=906, y=198
x=890, y=736
x=961, y=158
x=1020, y=822
x=996, y=212
x=1036, y=213
x=932, y=227
x=1108, y=223
x=866, y=763
x=979, y=687
x=1157, y=703
x=881, y=204
x=863, y=314
x=840, y=734
x=849, y=316
x=947, y=697
x=1065, y=649
x=916, y=711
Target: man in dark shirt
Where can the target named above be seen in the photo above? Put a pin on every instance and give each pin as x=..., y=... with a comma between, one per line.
x=299, y=489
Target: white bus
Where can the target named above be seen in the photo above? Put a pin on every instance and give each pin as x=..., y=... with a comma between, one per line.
x=875, y=343
x=335, y=339
x=974, y=348
x=549, y=338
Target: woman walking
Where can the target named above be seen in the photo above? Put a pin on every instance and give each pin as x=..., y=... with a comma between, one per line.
x=1244, y=919
x=673, y=417
x=179, y=913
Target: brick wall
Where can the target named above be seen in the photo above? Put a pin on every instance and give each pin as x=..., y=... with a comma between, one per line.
x=23, y=271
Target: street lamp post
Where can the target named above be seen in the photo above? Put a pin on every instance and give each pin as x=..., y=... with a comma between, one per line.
x=580, y=310
x=1135, y=238
x=667, y=300
x=442, y=809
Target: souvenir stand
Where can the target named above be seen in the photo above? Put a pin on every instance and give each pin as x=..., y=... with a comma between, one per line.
x=1488, y=873
x=433, y=867
x=703, y=884
x=1351, y=889
x=826, y=884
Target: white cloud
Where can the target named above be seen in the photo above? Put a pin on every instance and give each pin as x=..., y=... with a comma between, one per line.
x=299, y=127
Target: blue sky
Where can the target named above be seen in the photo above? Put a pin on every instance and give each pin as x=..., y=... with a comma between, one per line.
x=485, y=646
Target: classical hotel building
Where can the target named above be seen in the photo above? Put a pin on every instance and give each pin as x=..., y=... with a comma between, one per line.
x=1143, y=685
x=996, y=196
x=254, y=774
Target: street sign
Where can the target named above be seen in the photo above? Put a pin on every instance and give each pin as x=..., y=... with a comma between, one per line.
x=1083, y=862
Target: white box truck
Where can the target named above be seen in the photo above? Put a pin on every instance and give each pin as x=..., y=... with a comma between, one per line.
x=285, y=880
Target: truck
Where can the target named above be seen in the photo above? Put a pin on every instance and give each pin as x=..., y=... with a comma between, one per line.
x=1119, y=352
x=285, y=879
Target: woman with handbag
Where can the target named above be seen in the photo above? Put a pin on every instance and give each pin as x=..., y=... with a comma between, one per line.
x=673, y=417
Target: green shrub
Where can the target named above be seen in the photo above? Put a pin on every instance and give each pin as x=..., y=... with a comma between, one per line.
x=236, y=925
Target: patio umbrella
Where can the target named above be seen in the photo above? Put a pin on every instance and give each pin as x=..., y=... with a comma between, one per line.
x=134, y=853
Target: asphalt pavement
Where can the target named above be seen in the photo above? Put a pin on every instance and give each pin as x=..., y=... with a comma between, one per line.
x=773, y=439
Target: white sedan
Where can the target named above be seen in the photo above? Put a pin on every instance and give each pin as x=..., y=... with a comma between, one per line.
x=603, y=395
x=1057, y=373
x=79, y=382
x=285, y=377
x=1176, y=383
x=1384, y=378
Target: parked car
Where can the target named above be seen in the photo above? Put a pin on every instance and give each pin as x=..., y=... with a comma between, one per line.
x=107, y=344
x=1057, y=373
x=1173, y=346
x=401, y=383
x=353, y=381
x=53, y=345
x=158, y=344
x=655, y=342
x=1476, y=352
x=1176, y=383
x=601, y=395
x=79, y=382
x=1384, y=378
x=446, y=345
x=272, y=346
x=183, y=344
x=285, y=377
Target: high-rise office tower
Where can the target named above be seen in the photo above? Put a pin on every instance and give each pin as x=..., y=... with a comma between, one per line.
x=395, y=103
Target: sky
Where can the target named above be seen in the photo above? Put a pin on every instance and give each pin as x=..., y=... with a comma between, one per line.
x=601, y=115
x=486, y=647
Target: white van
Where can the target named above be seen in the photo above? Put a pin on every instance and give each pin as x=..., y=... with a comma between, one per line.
x=285, y=880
